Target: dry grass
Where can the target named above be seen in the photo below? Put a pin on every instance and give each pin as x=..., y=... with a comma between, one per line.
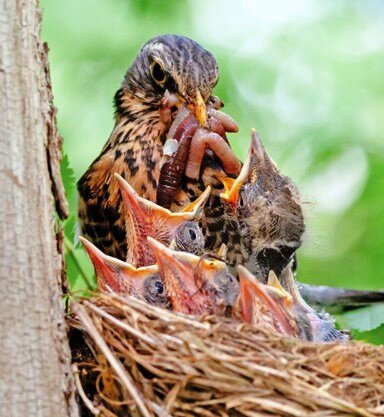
x=146, y=361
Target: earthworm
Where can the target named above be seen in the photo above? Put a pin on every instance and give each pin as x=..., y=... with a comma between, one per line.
x=202, y=139
x=185, y=148
x=215, y=126
x=174, y=165
x=228, y=123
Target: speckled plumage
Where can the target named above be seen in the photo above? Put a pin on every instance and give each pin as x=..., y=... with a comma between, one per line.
x=268, y=210
x=134, y=149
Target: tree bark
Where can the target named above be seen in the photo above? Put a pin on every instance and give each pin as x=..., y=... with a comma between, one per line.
x=35, y=377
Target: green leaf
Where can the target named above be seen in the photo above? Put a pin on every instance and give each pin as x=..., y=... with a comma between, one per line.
x=70, y=227
x=363, y=319
x=79, y=269
x=375, y=336
x=69, y=182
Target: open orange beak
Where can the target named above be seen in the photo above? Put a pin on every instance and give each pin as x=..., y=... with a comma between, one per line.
x=184, y=286
x=257, y=300
x=147, y=219
x=248, y=173
x=115, y=275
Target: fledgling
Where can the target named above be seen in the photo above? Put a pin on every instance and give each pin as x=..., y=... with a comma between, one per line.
x=147, y=219
x=195, y=285
x=121, y=277
x=322, y=324
x=267, y=207
x=268, y=305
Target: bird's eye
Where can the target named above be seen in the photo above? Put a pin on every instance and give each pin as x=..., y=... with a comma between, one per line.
x=189, y=238
x=192, y=234
x=154, y=291
x=157, y=72
x=159, y=287
x=241, y=200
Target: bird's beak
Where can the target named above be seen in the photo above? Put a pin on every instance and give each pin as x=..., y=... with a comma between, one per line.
x=248, y=171
x=104, y=267
x=193, y=209
x=183, y=285
x=143, y=207
x=114, y=274
x=232, y=189
x=293, y=290
x=200, y=109
x=222, y=252
x=257, y=159
x=273, y=283
x=144, y=218
x=255, y=299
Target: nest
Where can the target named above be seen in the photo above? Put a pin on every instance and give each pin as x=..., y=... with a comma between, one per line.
x=146, y=361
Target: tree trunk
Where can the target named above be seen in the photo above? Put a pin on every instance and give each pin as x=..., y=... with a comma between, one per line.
x=35, y=377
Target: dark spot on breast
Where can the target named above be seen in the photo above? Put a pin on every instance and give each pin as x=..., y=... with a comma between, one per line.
x=84, y=190
x=100, y=230
x=117, y=154
x=235, y=237
x=95, y=212
x=210, y=241
x=134, y=170
x=224, y=237
x=111, y=213
x=216, y=226
x=118, y=233
x=217, y=186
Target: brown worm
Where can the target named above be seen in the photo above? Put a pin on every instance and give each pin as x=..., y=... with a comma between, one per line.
x=216, y=127
x=174, y=166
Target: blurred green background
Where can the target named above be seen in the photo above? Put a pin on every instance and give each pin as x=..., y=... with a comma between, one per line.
x=308, y=75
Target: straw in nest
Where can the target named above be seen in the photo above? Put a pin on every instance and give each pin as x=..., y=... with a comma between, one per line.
x=146, y=361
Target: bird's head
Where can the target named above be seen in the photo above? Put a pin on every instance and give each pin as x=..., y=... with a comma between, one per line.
x=266, y=305
x=267, y=205
x=145, y=218
x=121, y=277
x=195, y=285
x=176, y=65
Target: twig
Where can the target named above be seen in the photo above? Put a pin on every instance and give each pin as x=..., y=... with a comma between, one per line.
x=95, y=411
x=115, y=363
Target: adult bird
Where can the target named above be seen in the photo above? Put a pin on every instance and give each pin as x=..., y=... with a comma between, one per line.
x=168, y=70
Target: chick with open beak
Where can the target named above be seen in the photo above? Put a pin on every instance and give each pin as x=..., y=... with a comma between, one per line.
x=195, y=285
x=268, y=305
x=123, y=278
x=144, y=218
x=268, y=210
x=322, y=324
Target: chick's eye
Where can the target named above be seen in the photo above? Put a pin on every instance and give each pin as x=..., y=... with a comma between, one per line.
x=157, y=72
x=241, y=200
x=159, y=287
x=189, y=238
x=192, y=234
